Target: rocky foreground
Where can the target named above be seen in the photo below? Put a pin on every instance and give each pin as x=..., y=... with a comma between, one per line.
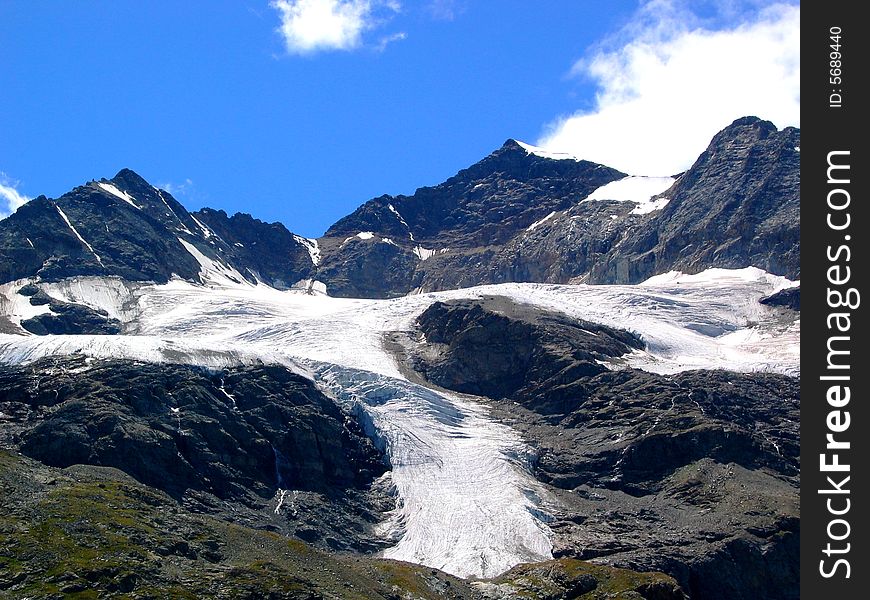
x=95, y=532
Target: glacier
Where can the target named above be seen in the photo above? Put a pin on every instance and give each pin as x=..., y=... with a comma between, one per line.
x=467, y=501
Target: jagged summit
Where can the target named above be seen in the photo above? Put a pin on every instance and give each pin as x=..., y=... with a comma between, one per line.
x=126, y=227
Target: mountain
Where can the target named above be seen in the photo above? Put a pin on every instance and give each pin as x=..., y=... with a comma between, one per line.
x=210, y=403
x=127, y=228
x=380, y=249
x=518, y=215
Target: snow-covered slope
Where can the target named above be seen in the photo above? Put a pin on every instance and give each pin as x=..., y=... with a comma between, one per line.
x=469, y=504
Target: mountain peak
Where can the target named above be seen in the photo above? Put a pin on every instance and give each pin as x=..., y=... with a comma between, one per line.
x=130, y=180
x=543, y=152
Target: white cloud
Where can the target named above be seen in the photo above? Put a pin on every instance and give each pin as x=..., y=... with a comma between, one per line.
x=444, y=10
x=309, y=26
x=672, y=83
x=389, y=39
x=10, y=198
x=177, y=189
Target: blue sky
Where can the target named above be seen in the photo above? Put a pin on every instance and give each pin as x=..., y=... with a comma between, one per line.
x=300, y=110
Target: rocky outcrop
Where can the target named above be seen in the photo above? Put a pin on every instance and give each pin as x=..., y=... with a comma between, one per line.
x=695, y=474
x=787, y=298
x=66, y=318
x=496, y=348
x=239, y=436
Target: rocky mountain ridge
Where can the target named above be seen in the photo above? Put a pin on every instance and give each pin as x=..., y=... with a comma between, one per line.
x=514, y=216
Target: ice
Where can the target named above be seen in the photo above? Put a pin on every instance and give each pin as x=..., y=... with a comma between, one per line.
x=468, y=501
x=112, y=294
x=78, y=235
x=16, y=307
x=469, y=506
x=119, y=194
x=310, y=286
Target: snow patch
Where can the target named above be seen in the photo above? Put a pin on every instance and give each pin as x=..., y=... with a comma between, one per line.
x=111, y=294
x=119, y=194
x=205, y=230
x=311, y=246
x=16, y=307
x=401, y=220
x=424, y=253
x=365, y=235
x=635, y=189
x=78, y=235
x=647, y=207
x=212, y=271
x=544, y=220
x=537, y=151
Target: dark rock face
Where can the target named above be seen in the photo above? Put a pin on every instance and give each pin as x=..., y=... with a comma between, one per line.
x=66, y=318
x=481, y=207
x=236, y=436
x=788, y=298
x=695, y=474
x=106, y=235
x=368, y=268
x=737, y=206
x=134, y=231
x=485, y=204
x=266, y=250
x=499, y=349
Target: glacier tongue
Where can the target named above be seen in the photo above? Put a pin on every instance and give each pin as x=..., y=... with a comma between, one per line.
x=469, y=505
